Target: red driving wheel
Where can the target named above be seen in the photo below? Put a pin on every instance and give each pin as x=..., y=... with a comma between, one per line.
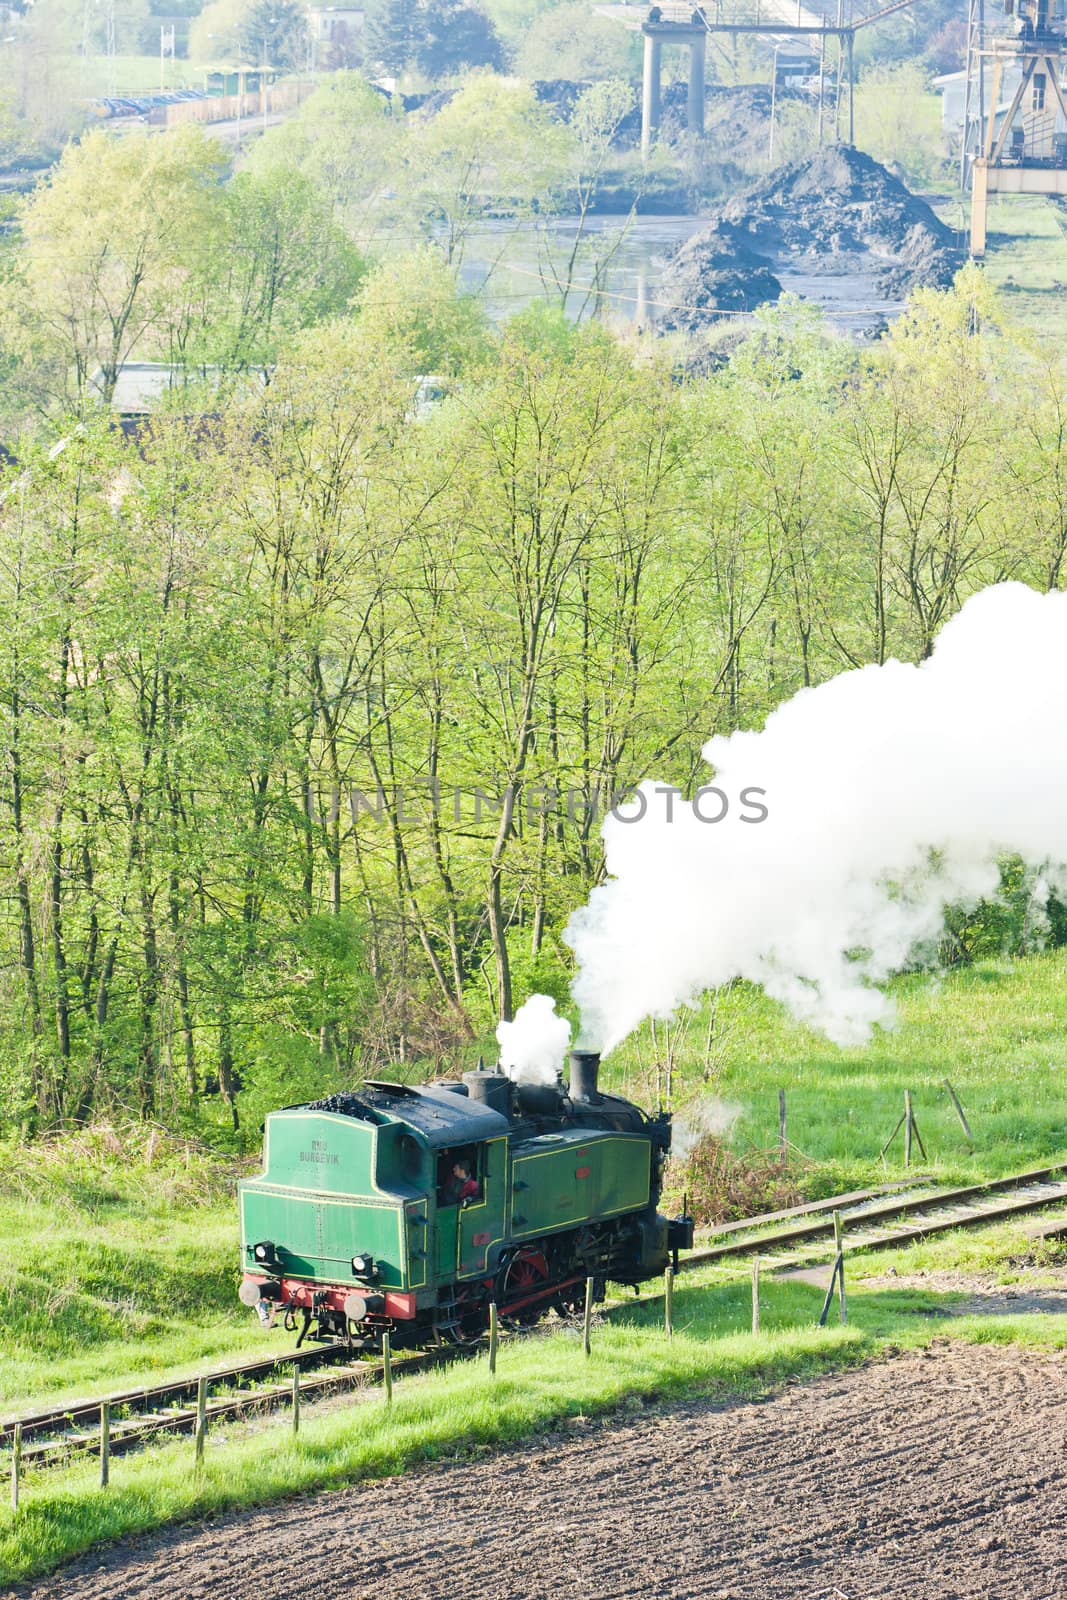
x=522, y=1276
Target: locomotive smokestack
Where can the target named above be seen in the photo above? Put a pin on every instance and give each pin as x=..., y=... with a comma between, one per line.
x=585, y=1065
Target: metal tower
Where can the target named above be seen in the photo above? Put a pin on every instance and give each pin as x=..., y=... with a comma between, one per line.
x=974, y=102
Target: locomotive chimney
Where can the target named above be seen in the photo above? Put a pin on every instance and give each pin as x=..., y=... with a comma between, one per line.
x=585, y=1064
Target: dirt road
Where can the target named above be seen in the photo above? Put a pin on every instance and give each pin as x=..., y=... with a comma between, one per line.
x=939, y=1476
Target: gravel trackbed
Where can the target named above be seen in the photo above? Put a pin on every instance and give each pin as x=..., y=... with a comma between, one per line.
x=939, y=1475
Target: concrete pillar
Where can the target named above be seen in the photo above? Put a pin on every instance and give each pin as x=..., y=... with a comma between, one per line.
x=643, y=318
x=650, y=92
x=696, y=85
x=979, y=206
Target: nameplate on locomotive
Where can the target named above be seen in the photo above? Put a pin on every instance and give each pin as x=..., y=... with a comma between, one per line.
x=320, y=1154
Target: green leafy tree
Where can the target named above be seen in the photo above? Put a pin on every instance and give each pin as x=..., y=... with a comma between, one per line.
x=349, y=141
x=571, y=41
x=392, y=31
x=492, y=141
x=274, y=33
x=108, y=243
x=455, y=37
x=413, y=302
x=439, y=37
x=215, y=33
x=286, y=266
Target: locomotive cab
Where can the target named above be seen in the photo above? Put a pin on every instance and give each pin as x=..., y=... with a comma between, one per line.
x=357, y=1210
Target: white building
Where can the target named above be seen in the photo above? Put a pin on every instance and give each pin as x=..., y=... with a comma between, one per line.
x=336, y=35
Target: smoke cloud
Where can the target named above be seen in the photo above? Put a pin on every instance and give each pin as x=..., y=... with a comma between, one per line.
x=710, y=1115
x=891, y=793
x=532, y=1047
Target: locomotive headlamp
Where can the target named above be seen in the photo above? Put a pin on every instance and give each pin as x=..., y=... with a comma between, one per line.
x=264, y=1251
x=363, y=1265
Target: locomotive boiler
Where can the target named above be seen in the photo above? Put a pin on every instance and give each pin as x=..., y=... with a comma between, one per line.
x=412, y=1209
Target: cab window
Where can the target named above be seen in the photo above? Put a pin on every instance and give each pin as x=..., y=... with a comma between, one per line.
x=459, y=1176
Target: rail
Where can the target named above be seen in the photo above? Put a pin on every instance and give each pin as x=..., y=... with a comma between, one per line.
x=141, y=1414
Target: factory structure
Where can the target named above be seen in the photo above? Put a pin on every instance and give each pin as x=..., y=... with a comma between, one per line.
x=1015, y=109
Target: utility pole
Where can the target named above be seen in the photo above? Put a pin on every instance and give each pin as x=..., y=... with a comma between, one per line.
x=166, y=48
x=109, y=21
x=971, y=143
x=774, y=105
x=263, y=83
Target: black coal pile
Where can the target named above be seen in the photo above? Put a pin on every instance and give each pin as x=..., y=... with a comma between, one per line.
x=560, y=94
x=838, y=212
x=712, y=272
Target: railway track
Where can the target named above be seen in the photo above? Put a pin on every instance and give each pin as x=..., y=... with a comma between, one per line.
x=874, y=1219
x=137, y=1416
x=873, y=1222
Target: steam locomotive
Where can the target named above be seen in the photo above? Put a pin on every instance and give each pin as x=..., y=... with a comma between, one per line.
x=413, y=1209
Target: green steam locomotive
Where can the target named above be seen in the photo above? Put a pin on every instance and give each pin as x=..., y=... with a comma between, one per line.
x=413, y=1209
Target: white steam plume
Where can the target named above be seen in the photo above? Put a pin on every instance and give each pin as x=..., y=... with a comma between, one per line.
x=709, y=1115
x=533, y=1046
x=891, y=792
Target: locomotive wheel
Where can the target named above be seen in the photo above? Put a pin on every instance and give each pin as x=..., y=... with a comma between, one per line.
x=523, y=1274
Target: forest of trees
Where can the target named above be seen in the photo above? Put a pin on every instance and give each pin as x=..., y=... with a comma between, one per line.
x=312, y=694
x=244, y=648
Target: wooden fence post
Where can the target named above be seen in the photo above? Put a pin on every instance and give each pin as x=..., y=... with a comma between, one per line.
x=105, y=1442
x=387, y=1366
x=964, y=1124
x=16, y=1465
x=781, y=1125
x=296, y=1399
x=839, y=1241
x=908, y=1125
x=668, y=1302
x=755, y=1294
x=837, y=1276
x=588, y=1323
x=201, y=1418
x=494, y=1335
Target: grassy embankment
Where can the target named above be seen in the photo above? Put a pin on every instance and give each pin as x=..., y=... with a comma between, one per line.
x=119, y=1264
x=116, y=1262
x=996, y=1030
x=540, y=1384
x=1027, y=261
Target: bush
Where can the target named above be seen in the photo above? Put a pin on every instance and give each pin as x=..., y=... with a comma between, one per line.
x=724, y=1187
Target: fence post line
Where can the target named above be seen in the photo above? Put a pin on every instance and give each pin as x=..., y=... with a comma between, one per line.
x=296, y=1399
x=387, y=1366
x=16, y=1465
x=668, y=1302
x=588, y=1321
x=755, y=1294
x=105, y=1442
x=201, y=1418
x=494, y=1334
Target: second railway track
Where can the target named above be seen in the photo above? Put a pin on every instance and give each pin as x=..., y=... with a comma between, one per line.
x=874, y=1219
x=875, y=1223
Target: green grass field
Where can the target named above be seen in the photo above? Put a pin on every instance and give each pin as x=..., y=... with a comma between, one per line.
x=117, y=1260
x=1026, y=260
x=118, y=1255
x=540, y=1384
x=996, y=1030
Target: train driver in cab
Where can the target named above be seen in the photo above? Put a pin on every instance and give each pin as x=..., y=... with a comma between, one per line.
x=460, y=1185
